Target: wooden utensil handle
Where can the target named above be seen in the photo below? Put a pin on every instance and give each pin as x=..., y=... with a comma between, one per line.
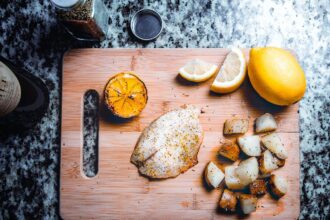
x=10, y=90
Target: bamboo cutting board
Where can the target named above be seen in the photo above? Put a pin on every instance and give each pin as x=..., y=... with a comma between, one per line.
x=118, y=191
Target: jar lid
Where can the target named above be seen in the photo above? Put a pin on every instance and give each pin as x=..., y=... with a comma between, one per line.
x=66, y=4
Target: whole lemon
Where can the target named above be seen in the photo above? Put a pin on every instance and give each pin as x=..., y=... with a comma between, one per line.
x=276, y=75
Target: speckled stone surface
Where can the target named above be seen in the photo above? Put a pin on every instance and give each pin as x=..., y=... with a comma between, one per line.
x=90, y=133
x=32, y=38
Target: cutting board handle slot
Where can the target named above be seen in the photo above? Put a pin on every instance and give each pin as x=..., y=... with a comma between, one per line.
x=90, y=152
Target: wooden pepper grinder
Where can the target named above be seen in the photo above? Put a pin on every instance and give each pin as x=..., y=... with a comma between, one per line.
x=24, y=98
x=10, y=90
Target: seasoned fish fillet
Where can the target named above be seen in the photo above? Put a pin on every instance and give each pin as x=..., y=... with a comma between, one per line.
x=169, y=146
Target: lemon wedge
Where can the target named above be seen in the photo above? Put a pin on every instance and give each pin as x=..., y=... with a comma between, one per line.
x=231, y=74
x=197, y=71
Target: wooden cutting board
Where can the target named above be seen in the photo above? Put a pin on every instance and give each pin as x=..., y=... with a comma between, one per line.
x=118, y=191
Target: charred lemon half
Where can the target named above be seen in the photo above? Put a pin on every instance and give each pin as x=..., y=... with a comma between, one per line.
x=126, y=95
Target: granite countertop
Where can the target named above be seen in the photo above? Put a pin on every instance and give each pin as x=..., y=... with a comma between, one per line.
x=33, y=39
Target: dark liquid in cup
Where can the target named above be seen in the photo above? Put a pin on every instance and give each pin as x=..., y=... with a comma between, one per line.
x=147, y=26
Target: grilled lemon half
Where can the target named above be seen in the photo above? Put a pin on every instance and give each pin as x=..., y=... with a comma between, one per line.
x=126, y=95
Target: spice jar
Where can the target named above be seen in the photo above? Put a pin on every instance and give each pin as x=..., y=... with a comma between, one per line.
x=84, y=19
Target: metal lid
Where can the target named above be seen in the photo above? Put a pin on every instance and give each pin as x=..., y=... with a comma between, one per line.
x=146, y=24
x=67, y=4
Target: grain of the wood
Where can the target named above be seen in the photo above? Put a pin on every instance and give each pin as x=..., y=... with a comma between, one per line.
x=118, y=191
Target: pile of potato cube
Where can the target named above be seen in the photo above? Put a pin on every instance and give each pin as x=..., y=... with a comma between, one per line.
x=264, y=155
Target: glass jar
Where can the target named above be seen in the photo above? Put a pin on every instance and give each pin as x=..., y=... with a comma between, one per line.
x=83, y=19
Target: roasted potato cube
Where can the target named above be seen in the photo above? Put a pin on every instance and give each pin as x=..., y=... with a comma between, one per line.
x=247, y=171
x=274, y=143
x=231, y=179
x=229, y=150
x=278, y=185
x=250, y=145
x=258, y=187
x=267, y=162
x=264, y=175
x=228, y=201
x=265, y=123
x=213, y=175
x=279, y=162
x=248, y=203
x=236, y=126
